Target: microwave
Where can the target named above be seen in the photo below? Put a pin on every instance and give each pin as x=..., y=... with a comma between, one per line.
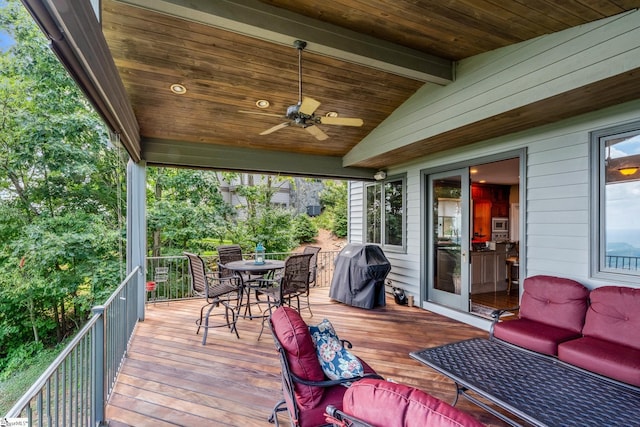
x=499, y=224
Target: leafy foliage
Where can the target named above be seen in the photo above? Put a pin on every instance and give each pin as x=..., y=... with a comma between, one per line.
x=334, y=200
x=304, y=230
x=59, y=209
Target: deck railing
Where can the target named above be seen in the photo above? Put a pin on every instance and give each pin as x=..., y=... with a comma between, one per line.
x=171, y=280
x=623, y=262
x=74, y=389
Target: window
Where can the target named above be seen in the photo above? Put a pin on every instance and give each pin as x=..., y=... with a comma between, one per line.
x=384, y=215
x=616, y=202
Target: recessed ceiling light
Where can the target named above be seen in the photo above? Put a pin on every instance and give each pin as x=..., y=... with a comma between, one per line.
x=482, y=181
x=332, y=114
x=262, y=103
x=178, y=89
x=474, y=171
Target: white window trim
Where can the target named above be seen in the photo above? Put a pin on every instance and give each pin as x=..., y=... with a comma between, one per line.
x=383, y=244
x=597, y=224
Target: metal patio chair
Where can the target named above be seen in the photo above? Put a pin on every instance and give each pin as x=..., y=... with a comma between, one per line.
x=218, y=291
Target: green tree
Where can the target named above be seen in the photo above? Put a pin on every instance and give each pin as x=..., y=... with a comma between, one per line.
x=59, y=186
x=185, y=210
x=262, y=221
x=334, y=202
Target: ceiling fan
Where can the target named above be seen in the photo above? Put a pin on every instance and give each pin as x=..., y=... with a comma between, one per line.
x=302, y=114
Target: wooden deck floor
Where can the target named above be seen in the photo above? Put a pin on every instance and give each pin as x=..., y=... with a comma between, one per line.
x=170, y=379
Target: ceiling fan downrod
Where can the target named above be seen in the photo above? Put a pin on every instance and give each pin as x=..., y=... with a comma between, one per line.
x=300, y=45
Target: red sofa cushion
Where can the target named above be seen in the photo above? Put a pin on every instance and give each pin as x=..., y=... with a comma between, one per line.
x=533, y=335
x=603, y=357
x=552, y=311
x=611, y=342
x=293, y=334
x=382, y=403
x=554, y=301
x=614, y=315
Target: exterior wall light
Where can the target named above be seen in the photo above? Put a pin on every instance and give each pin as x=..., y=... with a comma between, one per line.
x=380, y=175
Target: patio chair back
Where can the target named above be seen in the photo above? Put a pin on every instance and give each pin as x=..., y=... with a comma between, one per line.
x=295, y=277
x=228, y=253
x=313, y=263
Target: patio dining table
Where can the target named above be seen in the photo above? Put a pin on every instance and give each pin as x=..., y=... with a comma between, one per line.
x=250, y=267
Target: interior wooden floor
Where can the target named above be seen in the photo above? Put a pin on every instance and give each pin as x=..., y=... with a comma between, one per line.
x=497, y=300
x=170, y=379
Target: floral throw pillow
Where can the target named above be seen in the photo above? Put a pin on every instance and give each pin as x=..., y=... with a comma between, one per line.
x=336, y=361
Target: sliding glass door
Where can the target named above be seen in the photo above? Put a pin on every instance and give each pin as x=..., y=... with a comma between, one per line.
x=448, y=239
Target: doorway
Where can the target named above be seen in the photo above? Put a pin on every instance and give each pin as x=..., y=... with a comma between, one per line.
x=473, y=237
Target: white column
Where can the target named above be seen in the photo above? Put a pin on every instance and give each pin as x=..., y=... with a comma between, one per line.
x=137, y=226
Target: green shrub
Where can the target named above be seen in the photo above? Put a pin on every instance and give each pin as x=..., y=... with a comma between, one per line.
x=304, y=230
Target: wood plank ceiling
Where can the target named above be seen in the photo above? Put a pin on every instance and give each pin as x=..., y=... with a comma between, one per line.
x=225, y=71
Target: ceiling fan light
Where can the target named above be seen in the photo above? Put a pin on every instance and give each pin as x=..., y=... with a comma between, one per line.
x=630, y=170
x=262, y=103
x=332, y=114
x=178, y=89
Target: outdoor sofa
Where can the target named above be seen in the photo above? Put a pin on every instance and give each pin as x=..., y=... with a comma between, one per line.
x=597, y=330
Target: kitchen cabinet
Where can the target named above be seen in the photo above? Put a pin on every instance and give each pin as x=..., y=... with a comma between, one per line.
x=489, y=201
x=501, y=271
x=483, y=272
x=481, y=221
x=488, y=271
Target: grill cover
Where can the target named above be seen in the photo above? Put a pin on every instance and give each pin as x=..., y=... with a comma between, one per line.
x=358, y=277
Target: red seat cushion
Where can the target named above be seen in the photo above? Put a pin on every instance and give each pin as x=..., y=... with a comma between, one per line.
x=293, y=334
x=603, y=357
x=533, y=335
x=611, y=343
x=552, y=311
x=554, y=301
x=382, y=403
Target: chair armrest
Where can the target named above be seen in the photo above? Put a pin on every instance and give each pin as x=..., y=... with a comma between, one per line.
x=346, y=343
x=339, y=419
x=495, y=317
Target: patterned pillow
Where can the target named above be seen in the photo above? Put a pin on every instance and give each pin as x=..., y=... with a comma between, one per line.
x=336, y=361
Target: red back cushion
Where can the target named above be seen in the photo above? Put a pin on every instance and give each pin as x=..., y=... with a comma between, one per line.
x=554, y=301
x=293, y=334
x=614, y=315
x=382, y=403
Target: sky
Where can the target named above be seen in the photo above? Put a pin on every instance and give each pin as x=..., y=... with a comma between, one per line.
x=623, y=198
x=5, y=41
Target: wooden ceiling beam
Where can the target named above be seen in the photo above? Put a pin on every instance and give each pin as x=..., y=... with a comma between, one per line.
x=258, y=20
x=158, y=152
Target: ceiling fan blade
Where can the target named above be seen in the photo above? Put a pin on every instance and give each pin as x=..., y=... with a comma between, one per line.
x=308, y=106
x=275, y=128
x=261, y=113
x=344, y=121
x=317, y=132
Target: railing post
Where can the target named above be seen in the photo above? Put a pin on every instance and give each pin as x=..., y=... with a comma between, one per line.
x=98, y=380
